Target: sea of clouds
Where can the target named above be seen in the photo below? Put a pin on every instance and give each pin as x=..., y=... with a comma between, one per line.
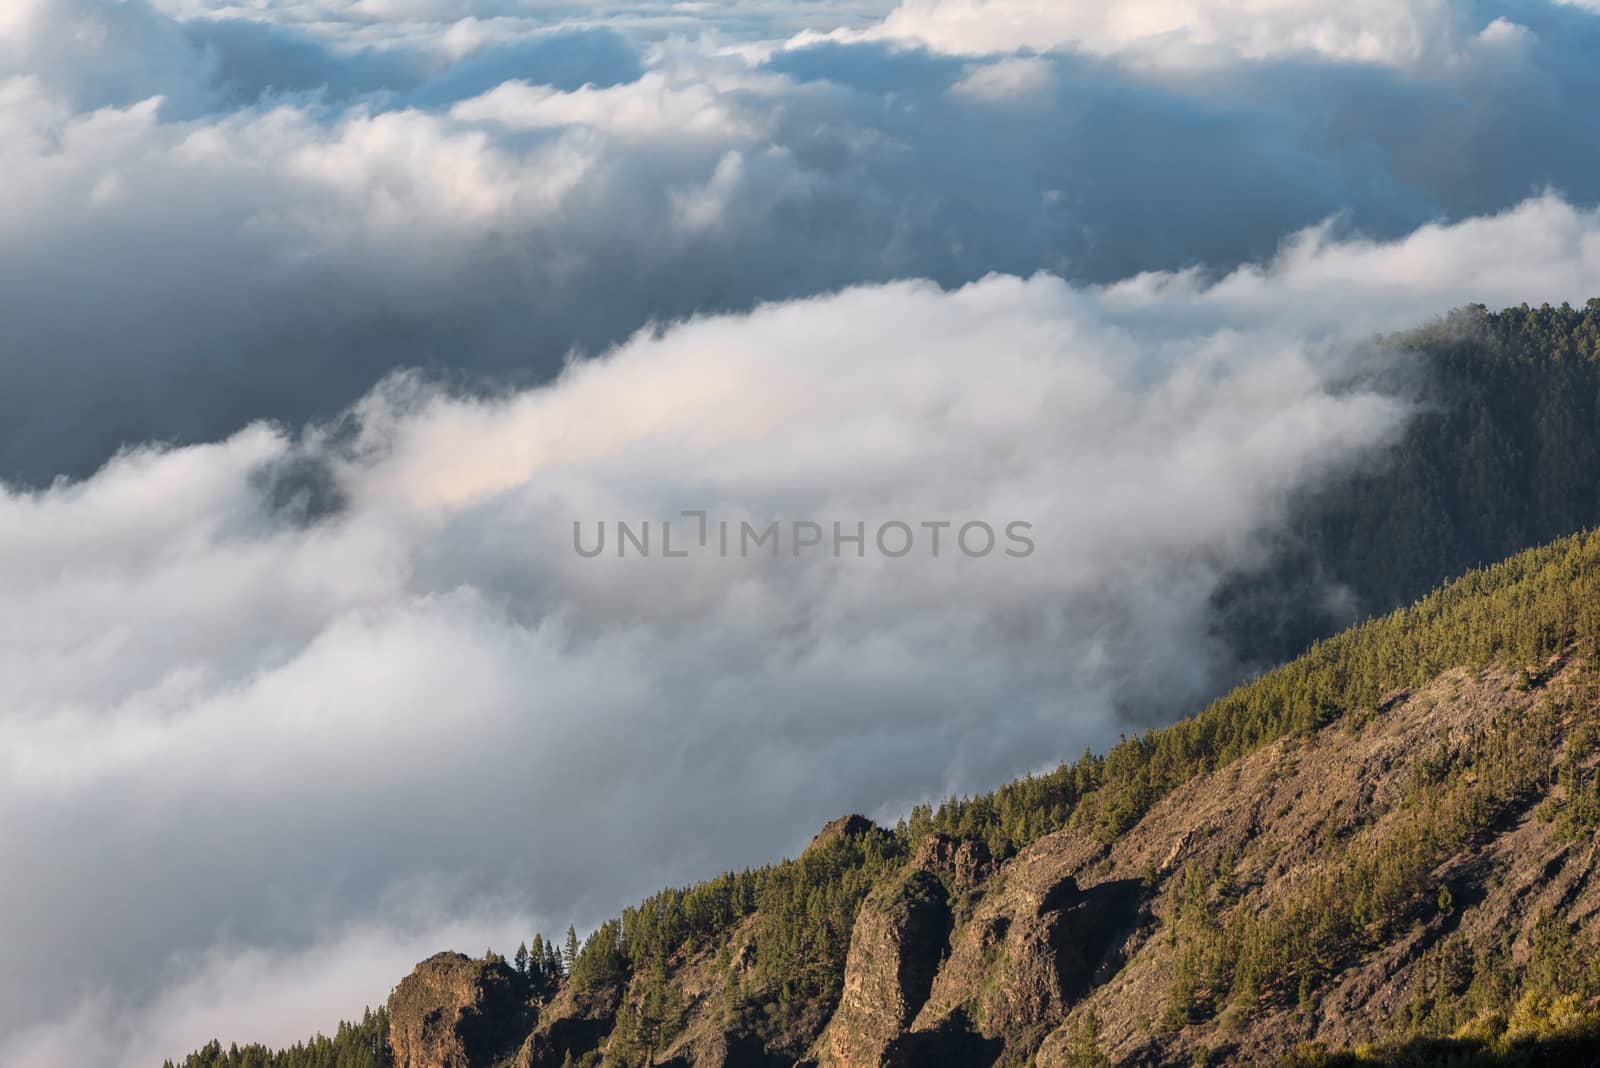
x=322, y=322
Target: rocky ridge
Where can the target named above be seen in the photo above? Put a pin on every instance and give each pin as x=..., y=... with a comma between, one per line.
x=959, y=960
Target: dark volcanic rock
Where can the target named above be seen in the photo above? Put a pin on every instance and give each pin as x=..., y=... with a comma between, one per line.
x=1033, y=947
x=843, y=827
x=456, y=1012
x=965, y=860
x=899, y=939
x=572, y=1024
x=951, y=1043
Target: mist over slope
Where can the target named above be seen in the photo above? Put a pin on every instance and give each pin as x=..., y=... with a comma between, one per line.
x=1499, y=456
x=1382, y=853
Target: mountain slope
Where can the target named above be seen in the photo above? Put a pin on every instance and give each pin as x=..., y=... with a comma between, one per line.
x=1499, y=458
x=753, y=964
x=1391, y=836
x=1390, y=840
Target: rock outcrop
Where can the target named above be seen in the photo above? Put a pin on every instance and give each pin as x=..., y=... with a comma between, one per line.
x=843, y=827
x=574, y=1024
x=964, y=861
x=456, y=1012
x=898, y=942
x=1034, y=945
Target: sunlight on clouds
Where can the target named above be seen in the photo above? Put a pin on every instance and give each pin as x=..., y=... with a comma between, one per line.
x=1377, y=31
x=1542, y=250
x=1092, y=266
x=652, y=107
x=408, y=169
x=439, y=628
x=1005, y=79
x=310, y=210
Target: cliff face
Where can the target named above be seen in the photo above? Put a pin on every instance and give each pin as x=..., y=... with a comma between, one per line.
x=1035, y=945
x=571, y=1024
x=898, y=943
x=455, y=1012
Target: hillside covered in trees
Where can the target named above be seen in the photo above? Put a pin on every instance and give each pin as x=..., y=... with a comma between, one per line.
x=1386, y=846
x=1381, y=852
x=1501, y=456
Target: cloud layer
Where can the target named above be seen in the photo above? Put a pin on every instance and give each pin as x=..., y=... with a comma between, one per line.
x=221, y=213
x=301, y=675
x=287, y=746
x=1378, y=31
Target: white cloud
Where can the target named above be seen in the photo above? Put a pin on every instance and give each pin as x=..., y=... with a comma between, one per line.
x=1006, y=79
x=1542, y=250
x=705, y=206
x=229, y=735
x=96, y=53
x=182, y=256
x=649, y=107
x=235, y=738
x=1392, y=32
x=254, y=994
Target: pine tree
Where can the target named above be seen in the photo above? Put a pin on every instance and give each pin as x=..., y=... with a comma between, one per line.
x=569, y=956
x=1083, y=1043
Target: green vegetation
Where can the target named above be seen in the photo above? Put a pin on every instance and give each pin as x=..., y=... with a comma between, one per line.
x=542, y=964
x=1539, y=1031
x=357, y=1045
x=1576, y=814
x=802, y=912
x=1518, y=612
x=673, y=921
x=1378, y=885
x=1501, y=457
